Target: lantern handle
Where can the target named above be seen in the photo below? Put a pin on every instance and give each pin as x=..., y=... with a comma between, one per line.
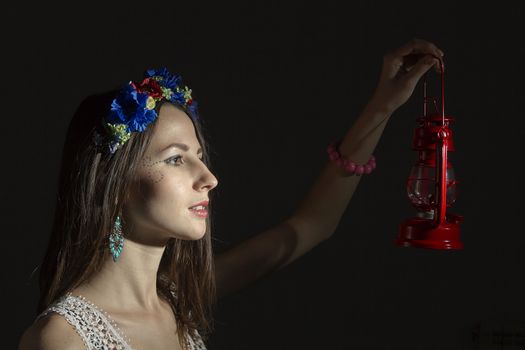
x=425, y=98
x=441, y=150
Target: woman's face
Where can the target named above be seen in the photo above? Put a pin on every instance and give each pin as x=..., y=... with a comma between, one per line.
x=170, y=179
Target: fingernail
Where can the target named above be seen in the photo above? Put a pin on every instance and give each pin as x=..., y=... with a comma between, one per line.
x=441, y=53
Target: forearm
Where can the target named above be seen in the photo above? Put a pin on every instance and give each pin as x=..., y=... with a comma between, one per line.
x=320, y=212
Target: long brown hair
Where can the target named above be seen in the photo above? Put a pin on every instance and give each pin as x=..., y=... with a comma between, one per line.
x=91, y=189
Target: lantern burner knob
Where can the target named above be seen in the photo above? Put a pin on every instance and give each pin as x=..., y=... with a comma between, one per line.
x=443, y=133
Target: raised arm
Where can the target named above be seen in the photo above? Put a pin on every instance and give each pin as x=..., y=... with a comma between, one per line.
x=318, y=214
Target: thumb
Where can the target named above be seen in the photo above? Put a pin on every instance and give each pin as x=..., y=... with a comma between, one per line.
x=420, y=68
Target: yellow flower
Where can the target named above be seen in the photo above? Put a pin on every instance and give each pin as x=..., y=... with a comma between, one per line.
x=119, y=130
x=150, y=103
x=166, y=93
x=186, y=93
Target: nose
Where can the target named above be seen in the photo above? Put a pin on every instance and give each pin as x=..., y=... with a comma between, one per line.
x=206, y=180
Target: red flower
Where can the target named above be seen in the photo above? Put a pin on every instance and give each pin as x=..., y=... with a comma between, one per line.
x=151, y=87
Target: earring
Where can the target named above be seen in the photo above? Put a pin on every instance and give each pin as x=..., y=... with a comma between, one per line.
x=116, y=239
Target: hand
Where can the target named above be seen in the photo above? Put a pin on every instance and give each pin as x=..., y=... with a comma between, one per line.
x=402, y=69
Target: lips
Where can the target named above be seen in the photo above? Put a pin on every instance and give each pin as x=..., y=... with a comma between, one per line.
x=203, y=213
x=203, y=203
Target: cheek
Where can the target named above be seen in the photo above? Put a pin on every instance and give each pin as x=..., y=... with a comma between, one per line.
x=157, y=192
x=150, y=172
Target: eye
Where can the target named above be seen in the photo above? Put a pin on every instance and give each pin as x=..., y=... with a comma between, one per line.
x=175, y=158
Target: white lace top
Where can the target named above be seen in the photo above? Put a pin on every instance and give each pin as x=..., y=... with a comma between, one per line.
x=95, y=326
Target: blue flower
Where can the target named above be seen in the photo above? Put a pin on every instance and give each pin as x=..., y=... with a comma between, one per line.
x=130, y=108
x=169, y=80
x=178, y=97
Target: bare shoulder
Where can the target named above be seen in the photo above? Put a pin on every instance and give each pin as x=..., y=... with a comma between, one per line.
x=51, y=332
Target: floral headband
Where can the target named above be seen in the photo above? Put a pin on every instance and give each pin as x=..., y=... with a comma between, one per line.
x=134, y=107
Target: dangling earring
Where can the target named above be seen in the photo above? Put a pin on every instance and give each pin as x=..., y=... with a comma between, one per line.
x=116, y=239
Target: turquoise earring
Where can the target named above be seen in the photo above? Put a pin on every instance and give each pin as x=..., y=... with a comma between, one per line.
x=116, y=239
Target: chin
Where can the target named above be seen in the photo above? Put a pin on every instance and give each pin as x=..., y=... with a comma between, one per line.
x=188, y=230
x=190, y=236
x=195, y=237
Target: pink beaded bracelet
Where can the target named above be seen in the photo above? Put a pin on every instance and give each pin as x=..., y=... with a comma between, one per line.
x=348, y=166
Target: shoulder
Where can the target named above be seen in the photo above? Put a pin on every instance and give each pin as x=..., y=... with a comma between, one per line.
x=51, y=332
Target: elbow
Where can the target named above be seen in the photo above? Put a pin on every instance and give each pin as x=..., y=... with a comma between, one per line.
x=326, y=232
x=317, y=231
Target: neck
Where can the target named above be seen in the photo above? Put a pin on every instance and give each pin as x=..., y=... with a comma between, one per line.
x=129, y=283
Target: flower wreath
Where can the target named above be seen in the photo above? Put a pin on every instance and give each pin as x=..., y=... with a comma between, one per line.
x=133, y=109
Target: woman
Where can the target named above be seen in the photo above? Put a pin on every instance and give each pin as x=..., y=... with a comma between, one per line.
x=129, y=264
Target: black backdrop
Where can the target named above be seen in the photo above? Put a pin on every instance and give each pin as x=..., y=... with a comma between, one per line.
x=276, y=81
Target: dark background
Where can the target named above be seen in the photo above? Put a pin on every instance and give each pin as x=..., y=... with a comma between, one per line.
x=276, y=81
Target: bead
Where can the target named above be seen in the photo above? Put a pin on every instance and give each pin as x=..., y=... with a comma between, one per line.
x=350, y=167
x=346, y=164
x=333, y=156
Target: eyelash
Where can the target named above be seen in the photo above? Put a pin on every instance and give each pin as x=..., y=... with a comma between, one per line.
x=168, y=161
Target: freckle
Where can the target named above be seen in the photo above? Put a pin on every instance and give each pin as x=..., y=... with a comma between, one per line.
x=153, y=175
x=146, y=162
x=157, y=176
x=160, y=179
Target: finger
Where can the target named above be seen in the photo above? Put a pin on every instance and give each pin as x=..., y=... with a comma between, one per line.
x=412, y=59
x=418, y=46
x=407, y=55
x=420, y=68
x=415, y=46
x=438, y=66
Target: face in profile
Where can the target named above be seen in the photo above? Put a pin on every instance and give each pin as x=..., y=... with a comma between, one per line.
x=170, y=180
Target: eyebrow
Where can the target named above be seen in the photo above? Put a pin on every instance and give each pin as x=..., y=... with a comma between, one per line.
x=182, y=146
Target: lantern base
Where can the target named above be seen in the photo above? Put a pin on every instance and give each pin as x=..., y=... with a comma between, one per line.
x=423, y=233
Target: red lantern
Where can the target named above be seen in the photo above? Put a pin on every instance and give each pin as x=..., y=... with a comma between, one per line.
x=431, y=185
